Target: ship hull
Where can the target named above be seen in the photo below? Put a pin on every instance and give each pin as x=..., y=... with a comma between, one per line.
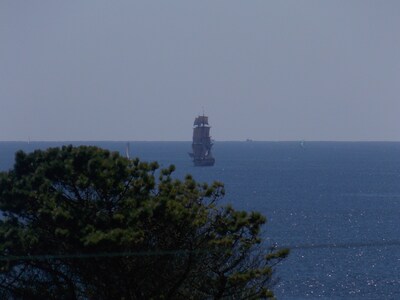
x=207, y=162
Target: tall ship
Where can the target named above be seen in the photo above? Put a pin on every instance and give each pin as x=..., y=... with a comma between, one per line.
x=202, y=143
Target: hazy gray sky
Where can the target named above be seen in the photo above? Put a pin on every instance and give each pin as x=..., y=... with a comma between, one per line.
x=142, y=70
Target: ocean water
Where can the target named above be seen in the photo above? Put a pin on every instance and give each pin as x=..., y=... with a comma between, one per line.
x=336, y=205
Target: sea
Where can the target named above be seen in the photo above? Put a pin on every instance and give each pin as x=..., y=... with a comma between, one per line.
x=336, y=205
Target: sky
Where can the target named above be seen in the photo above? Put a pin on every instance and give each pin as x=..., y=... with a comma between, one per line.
x=143, y=70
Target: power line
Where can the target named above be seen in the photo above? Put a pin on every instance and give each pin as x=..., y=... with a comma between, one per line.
x=104, y=254
x=344, y=245
x=197, y=251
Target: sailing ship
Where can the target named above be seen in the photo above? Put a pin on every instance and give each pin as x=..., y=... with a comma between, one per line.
x=202, y=143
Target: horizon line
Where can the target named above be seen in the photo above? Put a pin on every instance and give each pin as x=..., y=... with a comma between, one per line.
x=188, y=141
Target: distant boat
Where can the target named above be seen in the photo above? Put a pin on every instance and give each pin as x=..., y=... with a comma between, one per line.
x=202, y=143
x=302, y=144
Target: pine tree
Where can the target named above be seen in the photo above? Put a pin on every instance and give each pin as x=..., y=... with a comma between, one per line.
x=87, y=223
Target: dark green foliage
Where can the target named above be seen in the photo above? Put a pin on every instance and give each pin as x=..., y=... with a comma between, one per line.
x=115, y=228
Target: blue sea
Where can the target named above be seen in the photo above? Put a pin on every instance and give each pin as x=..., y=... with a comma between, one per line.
x=335, y=204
